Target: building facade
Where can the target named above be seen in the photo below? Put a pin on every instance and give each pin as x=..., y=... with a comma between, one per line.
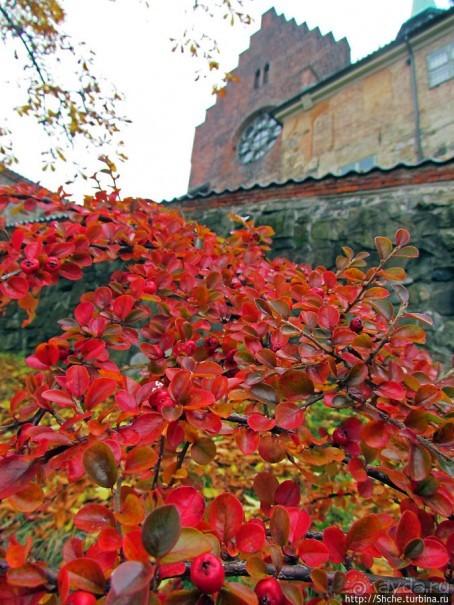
x=282, y=59
x=393, y=106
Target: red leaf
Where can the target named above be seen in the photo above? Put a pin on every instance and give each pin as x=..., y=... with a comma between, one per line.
x=246, y=440
x=376, y=433
x=271, y=448
x=313, y=552
x=356, y=583
x=363, y=533
x=71, y=271
x=402, y=237
x=336, y=542
x=83, y=313
x=29, y=575
x=93, y=517
x=357, y=469
x=299, y=523
x=190, y=505
x=195, y=399
x=289, y=416
x=328, y=317
x=133, y=548
x=77, y=380
x=287, y=494
x=434, y=555
x=15, y=473
x=226, y=516
x=99, y=390
x=15, y=287
x=251, y=537
x=47, y=354
x=258, y=422
x=180, y=385
x=391, y=389
x=125, y=401
x=61, y=398
x=148, y=427
x=85, y=574
x=140, y=459
x=427, y=395
x=122, y=306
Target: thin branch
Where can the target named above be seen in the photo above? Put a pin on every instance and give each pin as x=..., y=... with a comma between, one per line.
x=28, y=44
x=422, y=440
x=302, y=573
x=158, y=463
x=180, y=460
x=8, y=275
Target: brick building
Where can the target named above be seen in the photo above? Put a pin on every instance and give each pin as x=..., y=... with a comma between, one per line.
x=300, y=108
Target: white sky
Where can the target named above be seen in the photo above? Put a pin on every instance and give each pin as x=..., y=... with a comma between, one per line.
x=163, y=100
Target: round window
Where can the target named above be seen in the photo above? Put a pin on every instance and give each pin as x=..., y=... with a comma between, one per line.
x=258, y=138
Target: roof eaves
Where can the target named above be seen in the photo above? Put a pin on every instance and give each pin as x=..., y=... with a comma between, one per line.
x=307, y=179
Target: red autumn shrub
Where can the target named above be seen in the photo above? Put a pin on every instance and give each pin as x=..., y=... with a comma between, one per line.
x=269, y=400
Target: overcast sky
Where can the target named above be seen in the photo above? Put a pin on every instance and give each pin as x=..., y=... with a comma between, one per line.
x=163, y=100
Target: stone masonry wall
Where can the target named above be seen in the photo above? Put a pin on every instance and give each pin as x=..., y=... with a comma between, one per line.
x=313, y=229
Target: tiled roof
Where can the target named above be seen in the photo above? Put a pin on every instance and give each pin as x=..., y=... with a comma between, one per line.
x=9, y=177
x=307, y=179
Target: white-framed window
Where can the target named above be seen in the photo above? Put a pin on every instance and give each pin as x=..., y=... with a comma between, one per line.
x=440, y=65
x=363, y=165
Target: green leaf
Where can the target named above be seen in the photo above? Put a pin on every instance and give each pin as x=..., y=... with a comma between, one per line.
x=414, y=548
x=263, y=306
x=384, y=247
x=447, y=465
x=264, y=392
x=280, y=308
x=99, y=462
x=161, y=530
x=295, y=384
x=191, y=543
x=408, y=252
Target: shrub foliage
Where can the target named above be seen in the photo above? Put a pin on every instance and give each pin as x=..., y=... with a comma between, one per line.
x=283, y=418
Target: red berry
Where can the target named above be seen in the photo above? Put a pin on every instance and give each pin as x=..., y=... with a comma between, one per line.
x=52, y=264
x=211, y=343
x=269, y=592
x=150, y=287
x=340, y=437
x=81, y=598
x=356, y=325
x=185, y=348
x=207, y=573
x=29, y=265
